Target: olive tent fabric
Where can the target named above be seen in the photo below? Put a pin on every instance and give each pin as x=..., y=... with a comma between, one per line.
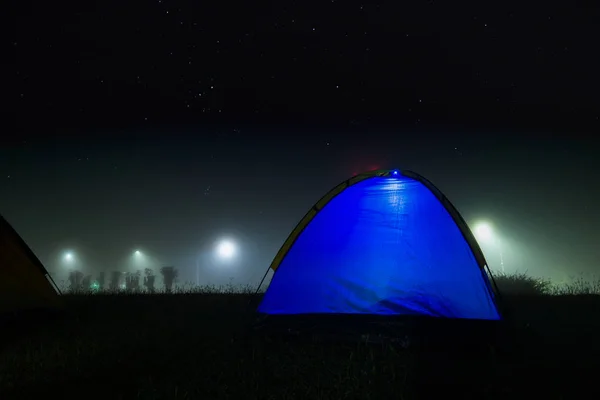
x=381, y=244
x=23, y=279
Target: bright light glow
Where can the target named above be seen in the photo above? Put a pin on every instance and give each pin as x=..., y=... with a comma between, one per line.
x=394, y=172
x=69, y=256
x=137, y=253
x=483, y=231
x=226, y=249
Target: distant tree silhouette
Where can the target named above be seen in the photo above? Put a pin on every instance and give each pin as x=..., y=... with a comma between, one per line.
x=136, y=281
x=169, y=275
x=149, y=280
x=115, y=277
x=128, y=281
x=75, y=280
x=101, y=280
x=86, y=282
x=132, y=281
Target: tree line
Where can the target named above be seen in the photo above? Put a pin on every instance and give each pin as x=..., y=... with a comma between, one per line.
x=118, y=280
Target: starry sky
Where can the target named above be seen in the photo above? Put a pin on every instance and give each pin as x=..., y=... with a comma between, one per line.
x=164, y=125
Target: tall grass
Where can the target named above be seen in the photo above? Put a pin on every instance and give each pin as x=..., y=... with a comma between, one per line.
x=522, y=284
x=195, y=343
x=578, y=285
x=514, y=284
x=185, y=288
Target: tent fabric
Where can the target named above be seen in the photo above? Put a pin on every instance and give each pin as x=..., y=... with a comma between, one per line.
x=23, y=279
x=385, y=245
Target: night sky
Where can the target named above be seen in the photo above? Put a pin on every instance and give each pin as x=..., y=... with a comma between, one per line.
x=166, y=125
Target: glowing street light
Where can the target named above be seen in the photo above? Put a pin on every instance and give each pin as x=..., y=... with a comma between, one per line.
x=69, y=257
x=226, y=249
x=485, y=233
x=139, y=259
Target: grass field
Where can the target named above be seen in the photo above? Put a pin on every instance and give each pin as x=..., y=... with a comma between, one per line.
x=200, y=346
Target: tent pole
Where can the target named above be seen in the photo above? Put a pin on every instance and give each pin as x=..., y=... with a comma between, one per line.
x=262, y=281
x=259, y=285
x=54, y=283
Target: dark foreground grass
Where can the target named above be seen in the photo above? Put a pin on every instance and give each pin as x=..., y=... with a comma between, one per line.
x=199, y=346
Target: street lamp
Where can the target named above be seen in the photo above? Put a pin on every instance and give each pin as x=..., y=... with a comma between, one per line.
x=485, y=233
x=138, y=259
x=69, y=260
x=226, y=249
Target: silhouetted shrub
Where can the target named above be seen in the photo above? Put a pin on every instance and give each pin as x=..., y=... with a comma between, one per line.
x=75, y=280
x=521, y=284
x=86, y=283
x=132, y=281
x=115, y=277
x=169, y=275
x=101, y=280
x=149, y=280
x=578, y=285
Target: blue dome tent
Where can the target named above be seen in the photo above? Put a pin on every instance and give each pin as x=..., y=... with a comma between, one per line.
x=383, y=243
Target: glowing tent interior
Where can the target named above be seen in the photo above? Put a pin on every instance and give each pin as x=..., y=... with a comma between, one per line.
x=386, y=242
x=24, y=282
